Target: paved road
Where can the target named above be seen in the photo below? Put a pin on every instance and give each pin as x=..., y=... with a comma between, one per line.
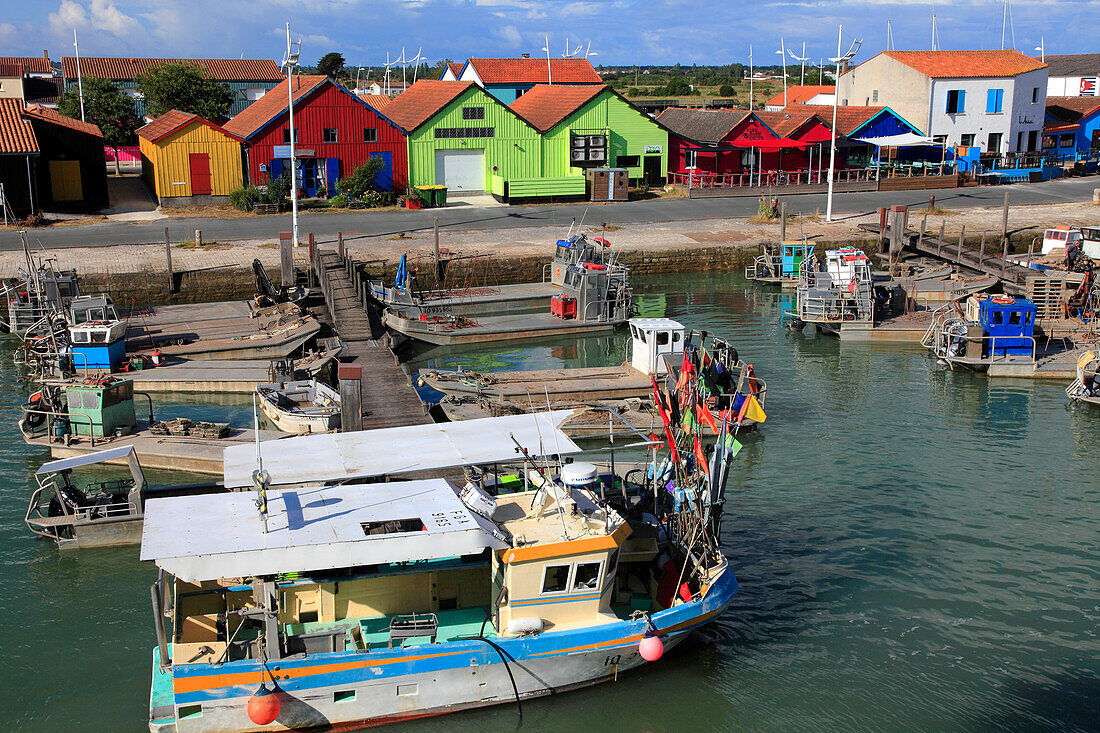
x=326, y=225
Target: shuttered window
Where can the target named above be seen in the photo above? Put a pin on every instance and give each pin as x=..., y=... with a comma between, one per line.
x=454, y=133
x=473, y=113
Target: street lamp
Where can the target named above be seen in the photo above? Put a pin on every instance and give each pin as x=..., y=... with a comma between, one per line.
x=836, y=100
x=783, y=55
x=290, y=61
x=1042, y=48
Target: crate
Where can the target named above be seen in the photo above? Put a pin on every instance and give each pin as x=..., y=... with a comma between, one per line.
x=563, y=307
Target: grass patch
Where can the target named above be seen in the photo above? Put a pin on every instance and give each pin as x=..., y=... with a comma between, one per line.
x=938, y=211
x=205, y=245
x=214, y=211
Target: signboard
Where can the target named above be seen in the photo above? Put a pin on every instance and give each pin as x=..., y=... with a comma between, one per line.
x=283, y=151
x=654, y=149
x=1088, y=86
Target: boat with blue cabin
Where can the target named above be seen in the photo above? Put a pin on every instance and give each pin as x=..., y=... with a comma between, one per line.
x=985, y=333
x=321, y=605
x=779, y=266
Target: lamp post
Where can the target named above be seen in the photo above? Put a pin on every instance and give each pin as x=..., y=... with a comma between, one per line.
x=1042, y=49
x=836, y=101
x=783, y=55
x=290, y=62
x=79, y=80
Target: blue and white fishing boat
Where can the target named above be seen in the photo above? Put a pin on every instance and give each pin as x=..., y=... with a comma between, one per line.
x=336, y=606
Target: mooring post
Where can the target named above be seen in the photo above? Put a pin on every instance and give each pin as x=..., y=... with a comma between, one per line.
x=959, y=253
x=168, y=252
x=309, y=268
x=340, y=244
x=923, y=226
x=1004, y=219
x=981, y=251
x=1004, y=258
x=782, y=222
x=943, y=233
x=198, y=237
x=931, y=202
x=350, y=375
x=286, y=258
x=438, y=264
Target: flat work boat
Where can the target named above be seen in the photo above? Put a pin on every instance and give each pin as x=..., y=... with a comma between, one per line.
x=360, y=604
x=985, y=334
x=779, y=266
x=303, y=406
x=1086, y=388
x=835, y=294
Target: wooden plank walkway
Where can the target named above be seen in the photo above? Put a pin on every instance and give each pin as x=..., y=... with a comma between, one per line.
x=388, y=397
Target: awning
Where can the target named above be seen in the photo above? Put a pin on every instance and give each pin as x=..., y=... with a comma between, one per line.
x=212, y=536
x=369, y=453
x=87, y=459
x=906, y=139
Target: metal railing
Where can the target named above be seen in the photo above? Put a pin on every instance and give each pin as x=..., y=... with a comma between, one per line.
x=768, y=179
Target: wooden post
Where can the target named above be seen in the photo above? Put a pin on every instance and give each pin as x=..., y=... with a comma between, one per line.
x=350, y=375
x=198, y=237
x=895, y=237
x=340, y=244
x=286, y=258
x=438, y=264
x=782, y=222
x=943, y=233
x=1004, y=219
x=312, y=254
x=923, y=225
x=981, y=250
x=931, y=202
x=168, y=252
x=962, y=236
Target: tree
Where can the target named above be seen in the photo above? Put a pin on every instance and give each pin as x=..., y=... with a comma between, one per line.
x=106, y=106
x=362, y=178
x=185, y=87
x=678, y=87
x=726, y=91
x=331, y=64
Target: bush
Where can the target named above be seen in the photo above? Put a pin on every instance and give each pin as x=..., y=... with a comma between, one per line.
x=373, y=199
x=244, y=198
x=339, y=201
x=277, y=189
x=361, y=179
x=769, y=207
x=726, y=91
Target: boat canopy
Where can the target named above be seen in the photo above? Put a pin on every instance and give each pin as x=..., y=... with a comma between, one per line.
x=319, y=528
x=905, y=139
x=87, y=459
x=369, y=453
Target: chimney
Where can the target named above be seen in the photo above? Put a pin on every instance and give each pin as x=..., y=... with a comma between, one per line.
x=525, y=55
x=46, y=54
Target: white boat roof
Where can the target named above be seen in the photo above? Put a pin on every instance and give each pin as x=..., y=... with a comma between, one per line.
x=368, y=453
x=87, y=459
x=653, y=324
x=311, y=529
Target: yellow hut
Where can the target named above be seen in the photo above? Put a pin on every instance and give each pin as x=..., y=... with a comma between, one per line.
x=189, y=161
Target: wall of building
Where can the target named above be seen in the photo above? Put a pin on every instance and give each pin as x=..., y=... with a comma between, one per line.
x=240, y=89
x=59, y=143
x=17, y=180
x=1028, y=116
x=170, y=162
x=899, y=87
x=1072, y=86
x=11, y=87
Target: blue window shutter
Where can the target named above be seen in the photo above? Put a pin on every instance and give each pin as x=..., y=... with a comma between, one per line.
x=962, y=101
x=1000, y=100
x=332, y=174
x=991, y=100
x=275, y=169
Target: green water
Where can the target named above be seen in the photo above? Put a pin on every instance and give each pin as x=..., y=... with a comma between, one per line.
x=917, y=550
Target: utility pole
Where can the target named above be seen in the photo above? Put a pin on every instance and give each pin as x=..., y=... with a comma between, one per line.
x=290, y=63
x=79, y=80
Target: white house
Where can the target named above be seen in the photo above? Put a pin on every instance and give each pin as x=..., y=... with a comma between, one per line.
x=1073, y=75
x=993, y=99
x=801, y=94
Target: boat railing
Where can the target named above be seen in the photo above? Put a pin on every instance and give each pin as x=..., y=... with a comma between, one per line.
x=763, y=263
x=820, y=309
x=45, y=428
x=1076, y=389
x=939, y=317
x=954, y=348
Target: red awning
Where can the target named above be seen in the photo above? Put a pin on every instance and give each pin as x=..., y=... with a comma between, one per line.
x=777, y=143
x=815, y=135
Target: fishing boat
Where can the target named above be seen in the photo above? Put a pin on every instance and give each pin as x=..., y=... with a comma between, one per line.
x=779, y=265
x=1086, y=388
x=985, y=332
x=336, y=606
x=835, y=294
x=303, y=406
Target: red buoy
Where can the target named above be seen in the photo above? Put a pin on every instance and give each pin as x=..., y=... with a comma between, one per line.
x=651, y=647
x=263, y=706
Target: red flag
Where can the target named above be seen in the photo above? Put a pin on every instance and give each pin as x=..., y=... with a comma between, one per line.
x=687, y=370
x=706, y=417
x=750, y=374
x=664, y=419
x=701, y=457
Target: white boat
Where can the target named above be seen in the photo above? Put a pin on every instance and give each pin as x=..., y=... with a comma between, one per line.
x=306, y=406
x=1086, y=388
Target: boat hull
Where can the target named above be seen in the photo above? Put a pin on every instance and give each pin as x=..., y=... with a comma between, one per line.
x=298, y=424
x=345, y=690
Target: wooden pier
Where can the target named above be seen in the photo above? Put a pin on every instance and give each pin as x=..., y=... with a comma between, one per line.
x=386, y=392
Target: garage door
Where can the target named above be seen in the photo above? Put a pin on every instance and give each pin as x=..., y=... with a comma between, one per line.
x=460, y=170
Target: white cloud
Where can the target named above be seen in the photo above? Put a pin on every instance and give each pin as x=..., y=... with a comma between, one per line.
x=100, y=15
x=510, y=35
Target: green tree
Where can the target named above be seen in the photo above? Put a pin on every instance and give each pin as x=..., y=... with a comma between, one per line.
x=726, y=91
x=361, y=179
x=185, y=87
x=331, y=64
x=678, y=87
x=106, y=106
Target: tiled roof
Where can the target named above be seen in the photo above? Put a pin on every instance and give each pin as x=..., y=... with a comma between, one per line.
x=1072, y=109
x=378, y=102
x=849, y=118
x=545, y=105
x=16, y=133
x=174, y=120
x=455, y=68
x=11, y=70
x=124, y=69
x=30, y=64
x=963, y=64
x=702, y=125
x=533, y=71
x=54, y=117
x=1073, y=64
x=788, y=121
x=419, y=103
x=799, y=94
x=271, y=105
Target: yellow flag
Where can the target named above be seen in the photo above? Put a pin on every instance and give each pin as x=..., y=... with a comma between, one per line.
x=754, y=411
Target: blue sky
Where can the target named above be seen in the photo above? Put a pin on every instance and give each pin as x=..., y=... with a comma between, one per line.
x=620, y=31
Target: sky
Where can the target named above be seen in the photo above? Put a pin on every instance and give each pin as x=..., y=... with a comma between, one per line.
x=621, y=32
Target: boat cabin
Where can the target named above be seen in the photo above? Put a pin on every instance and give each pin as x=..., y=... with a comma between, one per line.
x=650, y=338
x=98, y=344
x=578, y=250
x=1007, y=324
x=1090, y=241
x=779, y=265
x=836, y=291
x=1060, y=238
x=92, y=308
x=594, y=292
x=101, y=407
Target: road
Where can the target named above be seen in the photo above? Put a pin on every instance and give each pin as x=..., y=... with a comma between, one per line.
x=365, y=224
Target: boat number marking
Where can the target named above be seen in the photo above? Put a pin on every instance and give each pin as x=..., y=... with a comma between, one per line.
x=447, y=519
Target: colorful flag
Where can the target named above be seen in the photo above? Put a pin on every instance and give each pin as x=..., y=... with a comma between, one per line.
x=701, y=457
x=664, y=420
x=733, y=444
x=752, y=410
x=706, y=418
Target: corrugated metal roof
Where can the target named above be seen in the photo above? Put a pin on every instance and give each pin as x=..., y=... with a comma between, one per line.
x=534, y=71
x=119, y=69
x=30, y=64
x=1073, y=64
x=54, y=117
x=256, y=115
x=964, y=64
x=420, y=102
x=545, y=105
x=16, y=133
x=707, y=126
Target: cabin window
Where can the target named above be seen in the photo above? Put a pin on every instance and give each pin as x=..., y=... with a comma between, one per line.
x=343, y=696
x=998, y=318
x=392, y=526
x=370, y=134
x=1014, y=318
x=1027, y=317
x=587, y=576
x=613, y=563
x=328, y=135
x=676, y=335
x=555, y=578
x=190, y=711
x=662, y=338
x=473, y=113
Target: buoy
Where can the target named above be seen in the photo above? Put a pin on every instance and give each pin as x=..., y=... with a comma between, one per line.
x=263, y=706
x=650, y=647
x=156, y=357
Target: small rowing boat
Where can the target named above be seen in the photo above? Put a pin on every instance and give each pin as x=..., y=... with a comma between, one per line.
x=305, y=406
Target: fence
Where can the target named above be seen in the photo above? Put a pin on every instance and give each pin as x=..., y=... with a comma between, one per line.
x=129, y=156
x=768, y=179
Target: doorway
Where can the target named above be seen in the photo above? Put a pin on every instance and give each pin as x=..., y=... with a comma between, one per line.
x=199, y=164
x=651, y=170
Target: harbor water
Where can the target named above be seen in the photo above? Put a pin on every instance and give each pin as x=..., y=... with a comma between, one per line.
x=917, y=549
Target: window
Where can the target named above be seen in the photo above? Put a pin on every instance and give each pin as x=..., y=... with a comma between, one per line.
x=455, y=133
x=1067, y=141
x=370, y=134
x=520, y=93
x=628, y=161
x=998, y=318
x=286, y=135
x=966, y=140
x=1035, y=95
x=1048, y=142
x=994, y=144
x=956, y=101
x=328, y=135
x=1014, y=318
x=254, y=93
x=587, y=576
x=939, y=139
x=994, y=101
x=1020, y=141
x=555, y=579
x=473, y=113
x=874, y=96
x=689, y=158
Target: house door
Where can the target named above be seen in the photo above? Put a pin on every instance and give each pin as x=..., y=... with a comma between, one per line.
x=199, y=163
x=460, y=170
x=65, y=180
x=651, y=170
x=308, y=169
x=1033, y=141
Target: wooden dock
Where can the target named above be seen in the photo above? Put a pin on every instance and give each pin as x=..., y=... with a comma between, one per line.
x=388, y=397
x=235, y=376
